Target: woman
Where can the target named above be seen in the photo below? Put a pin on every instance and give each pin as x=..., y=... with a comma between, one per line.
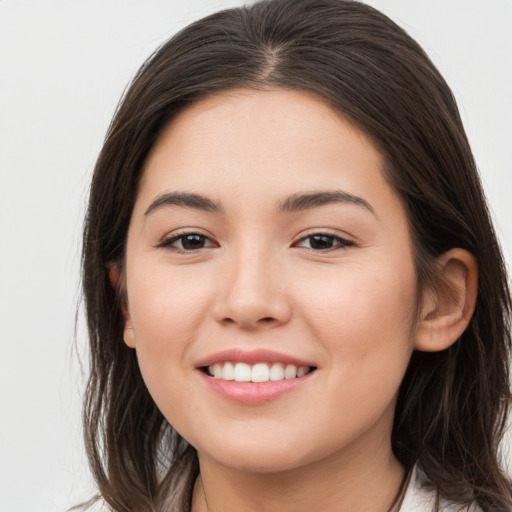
x=295, y=297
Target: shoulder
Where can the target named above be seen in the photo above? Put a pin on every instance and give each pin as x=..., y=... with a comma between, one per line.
x=419, y=497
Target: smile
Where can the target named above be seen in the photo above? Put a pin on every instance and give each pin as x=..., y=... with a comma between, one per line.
x=259, y=372
x=255, y=376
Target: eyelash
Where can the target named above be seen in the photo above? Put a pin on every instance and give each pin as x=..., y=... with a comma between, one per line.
x=168, y=242
x=341, y=243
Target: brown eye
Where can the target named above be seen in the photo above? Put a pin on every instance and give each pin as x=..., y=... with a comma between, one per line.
x=324, y=242
x=187, y=242
x=192, y=242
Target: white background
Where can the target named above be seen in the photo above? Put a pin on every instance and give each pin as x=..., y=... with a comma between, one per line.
x=63, y=67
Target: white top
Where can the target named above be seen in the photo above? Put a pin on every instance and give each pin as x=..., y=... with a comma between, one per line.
x=420, y=498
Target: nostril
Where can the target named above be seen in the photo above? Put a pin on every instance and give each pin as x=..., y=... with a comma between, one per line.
x=249, y=321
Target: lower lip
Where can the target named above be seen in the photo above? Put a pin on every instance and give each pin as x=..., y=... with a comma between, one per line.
x=252, y=393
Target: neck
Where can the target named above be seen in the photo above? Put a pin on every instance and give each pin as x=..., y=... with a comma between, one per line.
x=338, y=482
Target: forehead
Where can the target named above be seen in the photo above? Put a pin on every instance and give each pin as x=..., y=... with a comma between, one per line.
x=272, y=136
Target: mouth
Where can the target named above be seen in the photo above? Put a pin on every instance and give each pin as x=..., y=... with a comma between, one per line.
x=252, y=377
x=257, y=373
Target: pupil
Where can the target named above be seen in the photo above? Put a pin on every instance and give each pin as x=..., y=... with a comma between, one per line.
x=190, y=242
x=321, y=242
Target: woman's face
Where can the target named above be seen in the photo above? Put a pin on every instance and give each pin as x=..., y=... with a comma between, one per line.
x=265, y=246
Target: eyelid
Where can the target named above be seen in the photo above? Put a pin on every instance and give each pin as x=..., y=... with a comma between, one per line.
x=169, y=239
x=343, y=241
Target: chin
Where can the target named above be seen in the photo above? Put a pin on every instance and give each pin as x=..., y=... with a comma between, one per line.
x=268, y=463
x=257, y=457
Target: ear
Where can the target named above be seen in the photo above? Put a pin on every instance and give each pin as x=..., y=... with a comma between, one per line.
x=113, y=275
x=128, y=335
x=447, y=310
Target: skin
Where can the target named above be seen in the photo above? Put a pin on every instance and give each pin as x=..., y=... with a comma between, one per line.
x=255, y=281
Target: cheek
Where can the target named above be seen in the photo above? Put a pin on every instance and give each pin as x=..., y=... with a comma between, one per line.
x=364, y=325
x=364, y=314
x=166, y=310
x=166, y=305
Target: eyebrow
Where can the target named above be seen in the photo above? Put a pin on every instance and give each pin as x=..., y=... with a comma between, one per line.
x=309, y=200
x=185, y=200
x=294, y=203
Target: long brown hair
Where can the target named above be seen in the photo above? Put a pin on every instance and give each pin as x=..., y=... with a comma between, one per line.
x=452, y=405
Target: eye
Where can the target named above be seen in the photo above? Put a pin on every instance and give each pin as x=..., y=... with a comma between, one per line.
x=187, y=242
x=323, y=242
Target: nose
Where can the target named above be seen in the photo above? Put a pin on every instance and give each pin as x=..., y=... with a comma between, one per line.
x=253, y=292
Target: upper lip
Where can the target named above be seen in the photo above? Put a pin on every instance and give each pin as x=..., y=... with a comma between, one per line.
x=237, y=355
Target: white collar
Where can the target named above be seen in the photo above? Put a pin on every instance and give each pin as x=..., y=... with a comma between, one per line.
x=421, y=498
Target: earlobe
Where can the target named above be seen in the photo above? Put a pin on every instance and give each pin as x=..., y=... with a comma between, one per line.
x=128, y=334
x=447, y=310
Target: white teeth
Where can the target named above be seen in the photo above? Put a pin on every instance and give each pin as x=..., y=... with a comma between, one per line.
x=228, y=372
x=290, y=372
x=217, y=371
x=276, y=372
x=242, y=372
x=302, y=370
x=260, y=372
